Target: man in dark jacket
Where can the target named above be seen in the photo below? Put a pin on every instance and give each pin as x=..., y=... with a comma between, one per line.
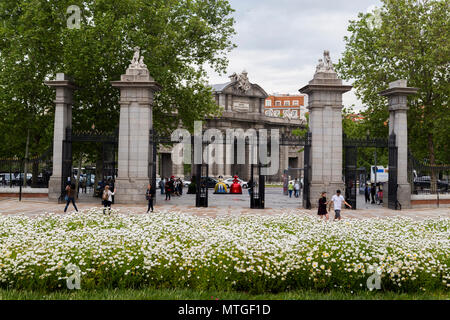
x=373, y=190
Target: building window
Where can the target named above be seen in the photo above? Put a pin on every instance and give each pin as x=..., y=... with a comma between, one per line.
x=278, y=103
x=295, y=103
x=268, y=103
x=287, y=103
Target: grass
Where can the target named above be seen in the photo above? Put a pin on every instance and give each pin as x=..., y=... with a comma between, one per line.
x=187, y=294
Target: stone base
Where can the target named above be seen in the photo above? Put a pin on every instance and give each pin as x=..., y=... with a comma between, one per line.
x=404, y=195
x=131, y=190
x=317, y=189
x=54, y=188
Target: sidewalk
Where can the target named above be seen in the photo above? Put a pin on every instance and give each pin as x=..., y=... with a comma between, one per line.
x=34, y=207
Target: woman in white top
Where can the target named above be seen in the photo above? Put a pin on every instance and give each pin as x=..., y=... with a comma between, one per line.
x=107, y=199
x=297, y=188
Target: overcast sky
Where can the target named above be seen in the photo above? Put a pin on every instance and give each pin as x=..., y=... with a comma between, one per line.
x=280, y=41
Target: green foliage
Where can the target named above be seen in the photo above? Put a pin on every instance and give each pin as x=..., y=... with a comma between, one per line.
x=411, y=42
x=362, y=129
x=178, y=38
x=302, y=132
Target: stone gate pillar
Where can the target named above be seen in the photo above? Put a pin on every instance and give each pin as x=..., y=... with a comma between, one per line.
x=398, y=124
x=64, y=88
x=325, y=123
x=137, y=88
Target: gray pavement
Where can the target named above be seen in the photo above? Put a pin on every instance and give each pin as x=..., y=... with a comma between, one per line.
x=219, y=205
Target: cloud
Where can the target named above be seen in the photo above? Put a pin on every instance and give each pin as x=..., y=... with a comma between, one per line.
x=280, y=41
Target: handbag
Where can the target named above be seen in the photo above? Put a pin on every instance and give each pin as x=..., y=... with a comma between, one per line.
x=66, y=198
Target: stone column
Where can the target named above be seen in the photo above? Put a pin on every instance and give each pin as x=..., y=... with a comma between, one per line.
x=136, y=120
x=325, y=106
x=178, y=170
x=284, y=159
x=157, y=166
x=228, y=151
x=398, y=124
x=64, y=88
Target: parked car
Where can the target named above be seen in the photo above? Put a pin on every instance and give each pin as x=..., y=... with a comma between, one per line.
x=424, y=182
x=229, y=182
x=18, y=178
x=5, y=179
x=211, y=182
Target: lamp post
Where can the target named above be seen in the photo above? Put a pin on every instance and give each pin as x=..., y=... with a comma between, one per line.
x=376, y=169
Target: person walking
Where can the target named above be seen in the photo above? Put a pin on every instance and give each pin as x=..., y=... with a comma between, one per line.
x=373, y=190
x=107, y=199
x=297, y=188
x=380, y=195
x=172, y=184
x=337, y=200
x=290, y=189
x=367, y=192
x=167, y=189
x=250, y=186
x=322, y=211
x=162, y=184
x=180, y=186
x=176, y=187
x=149, y=197
x=70, y=197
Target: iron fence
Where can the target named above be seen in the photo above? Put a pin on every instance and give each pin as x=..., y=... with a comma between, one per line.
x=38, y=172
x=428, y=179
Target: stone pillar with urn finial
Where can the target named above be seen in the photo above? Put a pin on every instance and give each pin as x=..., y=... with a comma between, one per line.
x=137, y=88
x=325, y=92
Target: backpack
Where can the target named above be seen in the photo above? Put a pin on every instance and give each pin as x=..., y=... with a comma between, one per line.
x=105, y=196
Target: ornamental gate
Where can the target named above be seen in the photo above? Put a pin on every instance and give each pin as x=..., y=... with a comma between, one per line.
x=257, y=179
x=307, y=173
x=257, y=187
x=109, y=141
x=202, y=174
x=352, y=174
x=392, y=185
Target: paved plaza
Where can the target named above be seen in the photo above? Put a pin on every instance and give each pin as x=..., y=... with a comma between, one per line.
x=219, y=205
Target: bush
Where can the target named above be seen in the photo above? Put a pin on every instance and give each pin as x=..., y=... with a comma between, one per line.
x=252, y=253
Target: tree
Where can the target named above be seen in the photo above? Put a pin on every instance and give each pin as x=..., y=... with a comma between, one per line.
x=409, y=42
x=178, y=39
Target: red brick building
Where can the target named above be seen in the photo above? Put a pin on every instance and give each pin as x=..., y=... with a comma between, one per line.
x=285, y=105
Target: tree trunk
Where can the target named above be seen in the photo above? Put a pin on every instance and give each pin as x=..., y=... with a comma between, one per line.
x=433, y=180
x=34, y=179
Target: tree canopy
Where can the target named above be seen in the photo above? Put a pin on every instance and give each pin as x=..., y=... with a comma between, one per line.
x=408, y=41
x=178, y=38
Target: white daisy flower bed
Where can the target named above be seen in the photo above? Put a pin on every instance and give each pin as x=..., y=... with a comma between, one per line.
x=251, y=253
